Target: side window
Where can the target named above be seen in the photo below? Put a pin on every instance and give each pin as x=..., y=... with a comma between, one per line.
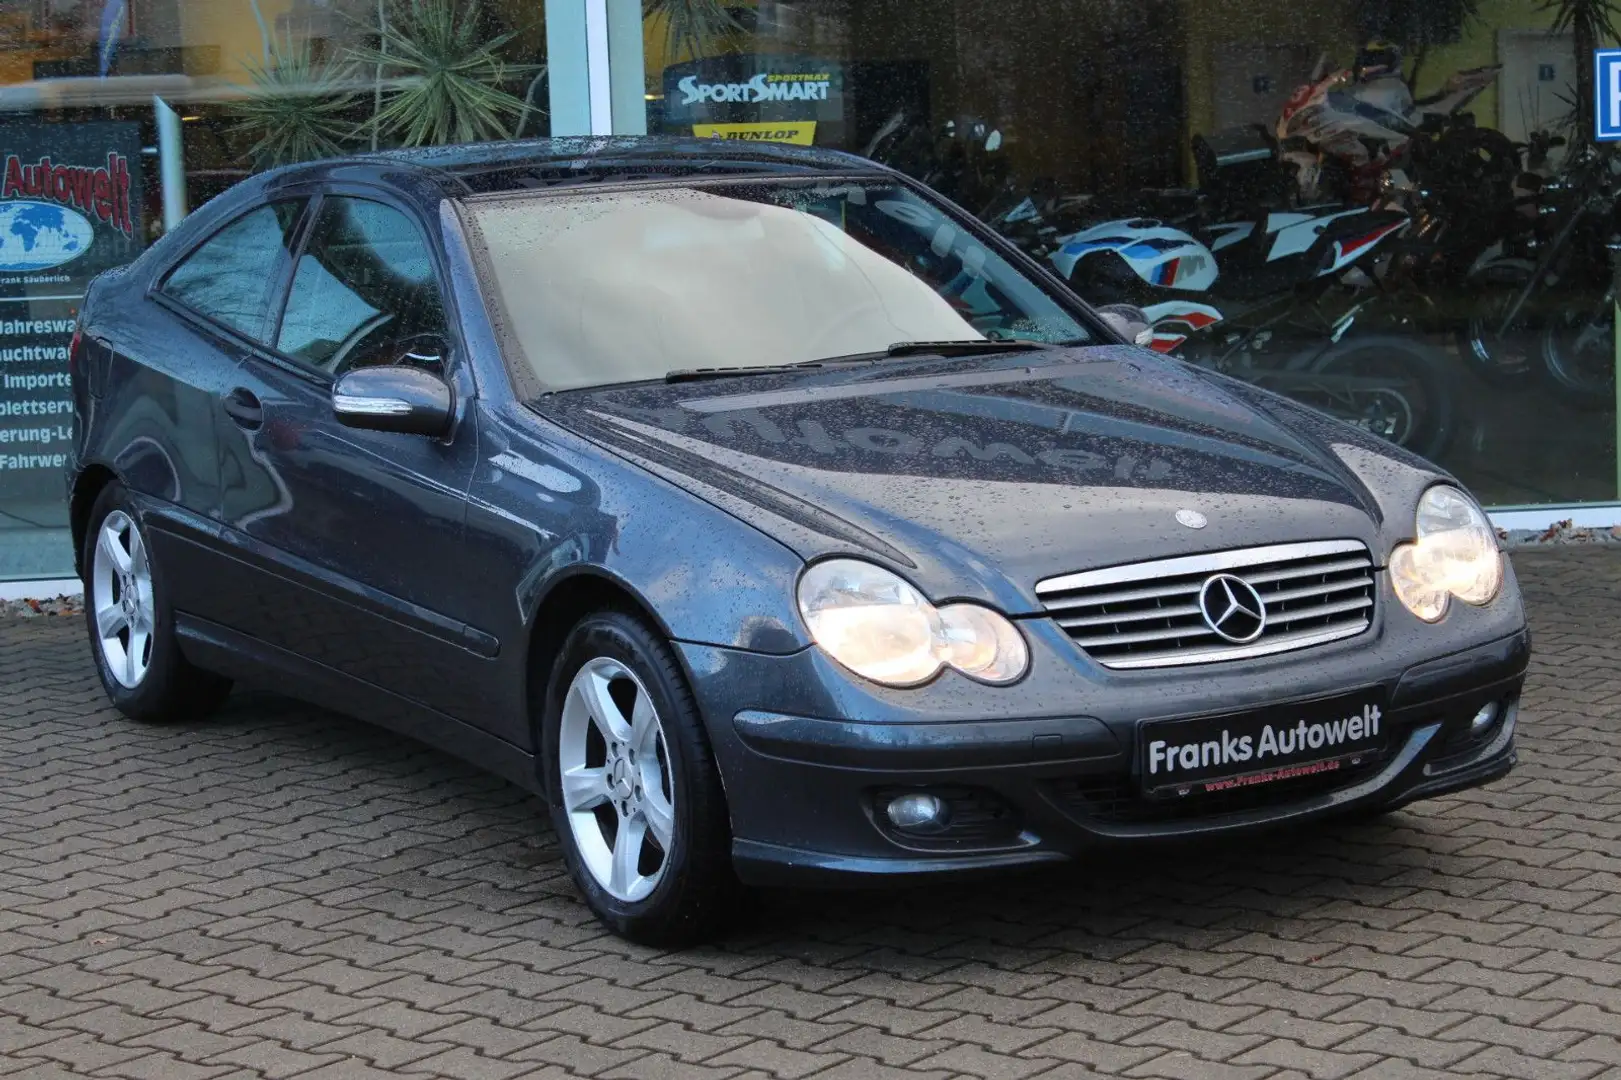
x=364, y=293
x=233, y=274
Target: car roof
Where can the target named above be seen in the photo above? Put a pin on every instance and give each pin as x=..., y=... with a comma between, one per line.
x=426, y=175
x=519, y=165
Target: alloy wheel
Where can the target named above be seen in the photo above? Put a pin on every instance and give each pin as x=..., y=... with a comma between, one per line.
x=121, y=596
x=616, y=784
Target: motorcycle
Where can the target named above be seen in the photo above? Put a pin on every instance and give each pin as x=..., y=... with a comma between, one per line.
x=1472, y=194
x=1547, y=296
x=1274, y=301
x=1339, y=132
x=1476, y=215
x=1290, y=285
x=963, y=159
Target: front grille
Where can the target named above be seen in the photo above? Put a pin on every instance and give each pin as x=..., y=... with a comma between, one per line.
x=1117, y=801
x=1148, y=615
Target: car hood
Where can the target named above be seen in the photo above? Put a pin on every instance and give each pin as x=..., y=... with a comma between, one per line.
x=978, y=478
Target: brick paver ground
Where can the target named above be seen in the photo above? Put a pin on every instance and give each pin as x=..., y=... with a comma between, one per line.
x=283, y=893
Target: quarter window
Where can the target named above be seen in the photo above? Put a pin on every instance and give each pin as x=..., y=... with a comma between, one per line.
x=230, y=278
x=364, y=293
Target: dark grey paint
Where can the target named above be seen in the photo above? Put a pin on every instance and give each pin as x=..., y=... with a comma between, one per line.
x=411, y=579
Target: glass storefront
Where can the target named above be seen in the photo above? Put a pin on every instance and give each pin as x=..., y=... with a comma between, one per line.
x=117, y=116
x=1388, y=210
x=1393, y=211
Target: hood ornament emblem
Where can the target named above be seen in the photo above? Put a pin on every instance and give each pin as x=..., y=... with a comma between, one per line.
x=1232, y=608
x=1192, y=519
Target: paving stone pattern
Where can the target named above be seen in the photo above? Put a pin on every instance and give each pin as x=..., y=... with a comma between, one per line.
x=284, y=893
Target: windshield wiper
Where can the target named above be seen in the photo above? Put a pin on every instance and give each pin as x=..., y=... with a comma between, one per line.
x=942, y=348
x=681, y=375
x=900, y=348
x=961, y=348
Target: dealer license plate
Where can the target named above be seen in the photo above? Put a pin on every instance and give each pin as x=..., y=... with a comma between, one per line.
x=1207, y=754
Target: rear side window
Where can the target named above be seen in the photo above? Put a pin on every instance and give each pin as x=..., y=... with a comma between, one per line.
x=232, y=276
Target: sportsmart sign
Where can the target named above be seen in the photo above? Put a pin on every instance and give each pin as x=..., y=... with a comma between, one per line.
x=791, y=99
x=794, y=86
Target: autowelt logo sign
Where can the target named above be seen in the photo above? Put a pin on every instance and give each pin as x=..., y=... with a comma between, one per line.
x=48, y=209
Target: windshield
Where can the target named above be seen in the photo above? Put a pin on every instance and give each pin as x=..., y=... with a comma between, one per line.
x=623, y=286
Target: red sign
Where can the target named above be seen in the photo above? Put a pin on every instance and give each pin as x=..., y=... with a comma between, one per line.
x=103, y=191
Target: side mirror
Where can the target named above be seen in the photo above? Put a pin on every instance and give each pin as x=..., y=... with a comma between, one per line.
x=1129, y=322
x=407, y=400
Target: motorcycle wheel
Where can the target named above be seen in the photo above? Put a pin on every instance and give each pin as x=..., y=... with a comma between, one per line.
x=1578, y=356
x=1411, y=403
x=1501, y=360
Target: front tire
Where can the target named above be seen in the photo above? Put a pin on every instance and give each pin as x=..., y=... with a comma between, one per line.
x=131, y=624
x=1393, y=387
x=1500, y=360
x=635, y=795
x=1578, y=355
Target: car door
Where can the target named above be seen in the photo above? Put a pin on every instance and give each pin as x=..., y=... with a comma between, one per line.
x=171, y=372
x=358, y=533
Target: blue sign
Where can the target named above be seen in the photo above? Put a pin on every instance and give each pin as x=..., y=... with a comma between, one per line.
x=1607, y=91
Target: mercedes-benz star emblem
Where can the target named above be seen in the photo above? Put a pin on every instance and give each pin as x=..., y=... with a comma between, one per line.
x=1232, y=608
x=1192, y=519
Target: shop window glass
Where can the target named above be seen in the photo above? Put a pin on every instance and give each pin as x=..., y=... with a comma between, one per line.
x=1393, y=212
x=93, y=169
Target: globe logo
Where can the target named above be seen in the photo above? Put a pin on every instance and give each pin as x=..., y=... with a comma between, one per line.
x=40, y=236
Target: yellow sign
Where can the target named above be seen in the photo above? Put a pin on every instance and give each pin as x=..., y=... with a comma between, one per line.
x=798, y=132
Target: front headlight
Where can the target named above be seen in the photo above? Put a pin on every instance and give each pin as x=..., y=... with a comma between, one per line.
x=1455, y=555
x=883, y=629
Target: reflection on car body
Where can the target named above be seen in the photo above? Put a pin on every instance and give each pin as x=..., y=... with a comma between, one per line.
x=426, y=445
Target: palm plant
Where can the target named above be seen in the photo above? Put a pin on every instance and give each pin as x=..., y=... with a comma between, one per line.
x=446, y=78
x=1590, y=23
x=696, y=27
x=298, y=108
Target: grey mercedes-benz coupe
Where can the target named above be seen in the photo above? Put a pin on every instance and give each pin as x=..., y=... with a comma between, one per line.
x=768, y=516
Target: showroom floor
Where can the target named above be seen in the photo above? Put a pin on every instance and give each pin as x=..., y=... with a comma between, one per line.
x=283, y=893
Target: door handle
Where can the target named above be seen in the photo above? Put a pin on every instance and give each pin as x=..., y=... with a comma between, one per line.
x=244, y=408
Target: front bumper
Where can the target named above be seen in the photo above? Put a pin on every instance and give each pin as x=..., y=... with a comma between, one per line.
x=806, y=794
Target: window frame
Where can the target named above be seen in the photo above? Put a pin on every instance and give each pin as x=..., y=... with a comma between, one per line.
x=159, y=288
x=312, y=216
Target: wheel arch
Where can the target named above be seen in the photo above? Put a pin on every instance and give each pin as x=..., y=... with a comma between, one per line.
x=572, y=596
x=92, y=480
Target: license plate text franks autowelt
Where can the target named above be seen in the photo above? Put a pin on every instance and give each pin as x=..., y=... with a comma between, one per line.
x=1272, y=742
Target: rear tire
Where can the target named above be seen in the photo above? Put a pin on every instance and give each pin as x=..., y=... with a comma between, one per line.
x=131, y=625
x=635, y=795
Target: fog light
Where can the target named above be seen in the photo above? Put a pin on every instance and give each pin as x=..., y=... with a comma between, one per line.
x=917, y=811
x=1485, y=718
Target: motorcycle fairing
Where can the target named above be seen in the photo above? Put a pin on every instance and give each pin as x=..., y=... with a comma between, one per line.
x=1172, y=322
x=1161, y=255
